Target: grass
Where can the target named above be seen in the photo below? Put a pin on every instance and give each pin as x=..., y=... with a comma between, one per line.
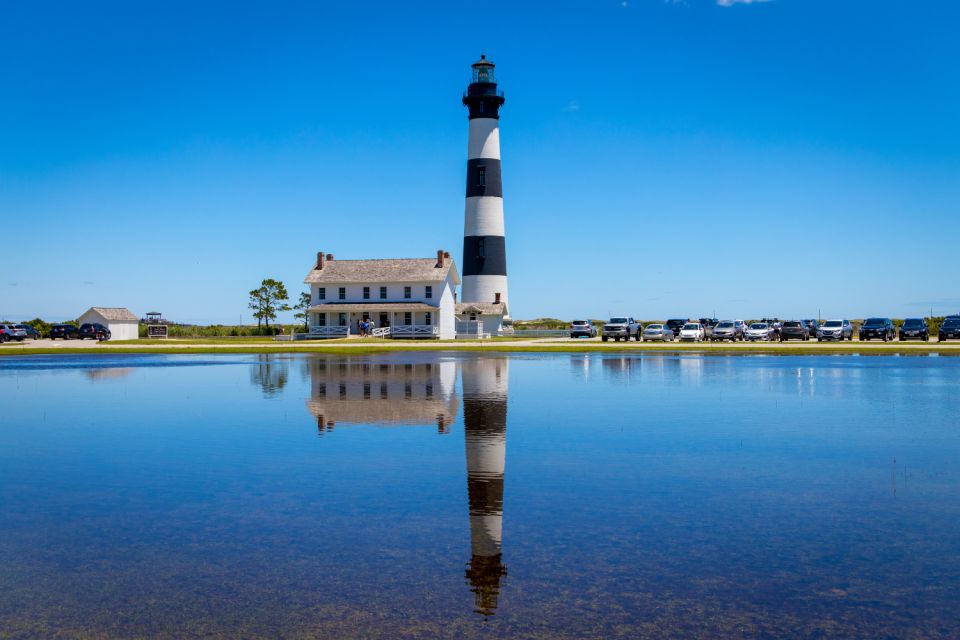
x=360, y=346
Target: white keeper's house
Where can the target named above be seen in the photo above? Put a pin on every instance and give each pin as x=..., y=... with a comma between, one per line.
x=404, y=298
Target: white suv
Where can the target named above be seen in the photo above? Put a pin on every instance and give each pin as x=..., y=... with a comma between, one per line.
x=835, y=330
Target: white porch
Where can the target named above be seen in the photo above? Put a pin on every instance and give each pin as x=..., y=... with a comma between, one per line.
x=389, y=320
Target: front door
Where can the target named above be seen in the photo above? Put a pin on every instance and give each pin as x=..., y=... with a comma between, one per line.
x=384, y=320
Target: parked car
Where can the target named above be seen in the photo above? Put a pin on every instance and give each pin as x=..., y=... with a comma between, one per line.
x=624, y=328
x=760, y=331
x=94, y=331
x=582, y=329
x=950, y=328
x=658, y=332
x=708, y=324
x=794, y=330
x=675, y=324
x=726, y=330
x=878, y=328
x=915, y=328
x=64, y=332
x=692, y=332
x=10, y=332
x=835, y=330
x=812, y=326
x=32, y=333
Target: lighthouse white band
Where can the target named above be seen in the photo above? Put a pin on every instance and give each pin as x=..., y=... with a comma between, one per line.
x=484, y=139
x=483, y=216
x=484, y=289
x=486, y=532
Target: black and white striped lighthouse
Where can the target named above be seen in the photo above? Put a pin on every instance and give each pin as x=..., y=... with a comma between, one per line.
x=484, y=249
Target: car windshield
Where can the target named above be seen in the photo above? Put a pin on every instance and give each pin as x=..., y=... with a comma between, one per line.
x=875, y=322
x=725, y=325
x=952, y=321
x=833, y=323
x=618, y=321
x=692, y=326
x=759, y=325
x=654, y=327
x=676, y=323
x=913, y=322
x=791, y=324
x=579, y=322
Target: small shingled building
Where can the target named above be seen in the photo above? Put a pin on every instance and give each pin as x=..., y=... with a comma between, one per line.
x=123, y=325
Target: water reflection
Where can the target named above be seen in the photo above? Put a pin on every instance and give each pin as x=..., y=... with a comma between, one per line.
x=350, y=391
x=405, y=392
x=107, y=373
x=270, y=372
x=485, y=429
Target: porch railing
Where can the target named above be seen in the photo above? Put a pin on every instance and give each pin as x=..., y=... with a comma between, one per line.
x=324, y=332
x=380, y=332
x=414, y=331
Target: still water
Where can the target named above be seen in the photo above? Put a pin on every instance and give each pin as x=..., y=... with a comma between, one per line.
x=441, y=495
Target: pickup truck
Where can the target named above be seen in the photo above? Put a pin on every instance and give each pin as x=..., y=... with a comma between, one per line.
x=621, y=327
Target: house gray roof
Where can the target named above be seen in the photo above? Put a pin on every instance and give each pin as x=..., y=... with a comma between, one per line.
x=115, y=313
x=371, y=306
x=387, y=270
x=483, y=308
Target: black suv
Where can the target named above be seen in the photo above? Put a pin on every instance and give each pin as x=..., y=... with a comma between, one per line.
x=950, y=328
x=64, y=332
x=878, y=328
x=914, y=328
x=812, y=326
x=95, y=331
x=675, y=324
x=794, y=330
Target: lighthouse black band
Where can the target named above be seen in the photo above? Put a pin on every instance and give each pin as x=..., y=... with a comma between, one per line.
x=484, y=256
x=483, y=177
x=483, y=100
x=485, y=496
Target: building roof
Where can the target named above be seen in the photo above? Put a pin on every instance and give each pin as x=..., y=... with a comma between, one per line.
x=345, y=307
x=117, y=314
x=387, y=270
x=483, y=308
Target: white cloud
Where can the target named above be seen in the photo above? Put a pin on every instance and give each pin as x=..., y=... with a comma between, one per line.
x=572, y=106
x=730, y=3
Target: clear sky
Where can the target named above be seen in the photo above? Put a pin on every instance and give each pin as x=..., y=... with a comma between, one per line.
x=659, y=158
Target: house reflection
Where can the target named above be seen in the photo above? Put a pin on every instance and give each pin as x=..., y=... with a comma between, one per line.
x=407, y=391
x=485, y=428
x=107, y=373
x=358, y=391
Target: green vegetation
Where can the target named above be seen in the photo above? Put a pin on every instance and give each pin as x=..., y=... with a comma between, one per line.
x=267, y=300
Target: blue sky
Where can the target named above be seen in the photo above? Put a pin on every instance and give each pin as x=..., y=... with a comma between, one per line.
x=659, y=158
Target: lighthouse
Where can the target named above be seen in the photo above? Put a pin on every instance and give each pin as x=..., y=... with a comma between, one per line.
x=485, y=429
x=484, y=249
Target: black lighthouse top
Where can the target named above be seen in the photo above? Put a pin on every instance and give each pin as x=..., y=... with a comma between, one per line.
x=482, y=97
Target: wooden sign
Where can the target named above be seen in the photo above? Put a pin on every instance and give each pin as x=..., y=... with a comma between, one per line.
x=156, y=331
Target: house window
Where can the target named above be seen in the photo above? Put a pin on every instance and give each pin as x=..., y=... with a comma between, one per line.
x=406, y=292
x=383, y=293
x=482, y=248
x=428, y=292
x=427, y=318
x=322, y=293
x=343, y=319
x=343, y=293
x=473, y=317
x=481, y=176
x=322, y=319
x=407, y=318
x=366, y=293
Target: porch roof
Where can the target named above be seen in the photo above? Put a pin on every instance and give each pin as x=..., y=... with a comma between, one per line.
x=482, y=308
x=345, y=307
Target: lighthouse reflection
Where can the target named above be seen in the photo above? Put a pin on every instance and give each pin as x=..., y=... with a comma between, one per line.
x=404, y=391
x=485, y=429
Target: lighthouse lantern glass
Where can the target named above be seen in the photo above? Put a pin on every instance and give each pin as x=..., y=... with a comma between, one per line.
x=483, y=73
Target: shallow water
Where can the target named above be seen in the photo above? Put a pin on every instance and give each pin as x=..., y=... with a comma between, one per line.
x=455, y=495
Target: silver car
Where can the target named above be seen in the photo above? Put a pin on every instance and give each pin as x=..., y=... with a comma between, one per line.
x=760, y=331
x=658, y=332
x=835, y=330
x=726, y=330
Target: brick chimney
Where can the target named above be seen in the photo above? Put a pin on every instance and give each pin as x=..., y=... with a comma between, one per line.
x=319, y=264
x=439, y=258
x=496, y=298
x=329, y=257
